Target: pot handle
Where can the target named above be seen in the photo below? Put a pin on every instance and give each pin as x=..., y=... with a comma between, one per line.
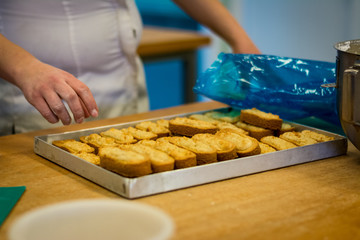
x=349, y=98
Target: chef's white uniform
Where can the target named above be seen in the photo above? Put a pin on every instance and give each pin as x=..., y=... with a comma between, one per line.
x=95, y=40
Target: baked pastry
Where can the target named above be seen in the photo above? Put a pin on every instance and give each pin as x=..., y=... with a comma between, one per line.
x=73, y=146
x=278, y=143
x=123, y=162
x=89, y=157
x=245, y=145
x=140, y=134
x=153, y=127
x=297, y=138
x=160, y=161
x=265, y=148
x=225, y=150
x=285, y=127
x=261, y=119
x=183, y=158
x=96, y=141
x=219, y=124
x=204, y=153
x=120, y=136
x=163, y=122
x=226, y=125
x=316, y=136
x=254, y=131
x=189, y=127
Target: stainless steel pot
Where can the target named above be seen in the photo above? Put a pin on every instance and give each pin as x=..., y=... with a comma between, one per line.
x=348, y=88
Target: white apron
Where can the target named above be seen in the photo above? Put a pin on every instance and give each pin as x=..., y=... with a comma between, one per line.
x=95, y=40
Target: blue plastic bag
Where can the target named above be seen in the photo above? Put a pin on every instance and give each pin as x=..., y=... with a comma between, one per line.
x=285, y=86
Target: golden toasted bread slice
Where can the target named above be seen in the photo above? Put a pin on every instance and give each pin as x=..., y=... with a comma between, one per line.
x=226, y=125
x=230, y=117
x=220, y=124
x=153, y=127
x=120, y=136
x=89, y=157
x=96, y=141
x=189, y=127
x=123, y=162
x=183, y=158
x=261, y=119
x=254, y=131
x=163, y=122
x=297, y=138
x=73, y=146
x=140, y=134
x=316, y=136
x=225, y=150
x=278, y=143
x=265, y=148
x=160, y=161
x=285, y=127
x=204, y=153
x=245, y=145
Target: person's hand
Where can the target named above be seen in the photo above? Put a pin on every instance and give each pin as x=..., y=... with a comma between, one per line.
x=48, y=89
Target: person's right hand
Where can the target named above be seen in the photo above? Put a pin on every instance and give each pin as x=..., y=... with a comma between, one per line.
x=48, y=89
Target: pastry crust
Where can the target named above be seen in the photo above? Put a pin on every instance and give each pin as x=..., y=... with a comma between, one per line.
x=183, y=158
x=278, y=143
x=261, y=119
x=245, y=145
x=123, y=162
x=73, y=146
x=160, y=161
x=189, y=127
x=225, y=150
x=297, y=138
x=204, y=153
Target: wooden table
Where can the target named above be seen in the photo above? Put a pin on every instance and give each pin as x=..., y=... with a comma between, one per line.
x=161, y=44
x=317, y=200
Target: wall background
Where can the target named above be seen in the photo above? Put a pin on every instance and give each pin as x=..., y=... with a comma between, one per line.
x=301, y=29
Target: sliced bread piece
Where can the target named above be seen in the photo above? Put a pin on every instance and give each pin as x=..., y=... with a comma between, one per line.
x=297, y=138
x=183, y=158
x=204, y=153
x=254, y=131
x=245, y=145
x=189, y=127
x=160, y=161
x=278, y=143
x=261, y=119
x=120, y=136
x=73, y=146
x=153, y=127
x=124, y=162
x=225, y=150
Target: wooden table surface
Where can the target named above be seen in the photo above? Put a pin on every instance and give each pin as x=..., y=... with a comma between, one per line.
x=164, y=41
x=317, y=200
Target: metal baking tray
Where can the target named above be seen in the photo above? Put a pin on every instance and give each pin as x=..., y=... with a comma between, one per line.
x=182, y=178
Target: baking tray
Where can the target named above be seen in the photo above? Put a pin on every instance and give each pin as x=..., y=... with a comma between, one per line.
x=182, y=178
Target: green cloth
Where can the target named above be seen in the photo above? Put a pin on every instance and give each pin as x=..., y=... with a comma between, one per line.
x=8, y=198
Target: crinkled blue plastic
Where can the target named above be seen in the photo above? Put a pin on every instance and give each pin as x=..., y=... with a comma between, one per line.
x=285, y=86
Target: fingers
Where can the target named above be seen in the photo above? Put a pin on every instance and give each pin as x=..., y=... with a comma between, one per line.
x=86, y=98
x=50, y=89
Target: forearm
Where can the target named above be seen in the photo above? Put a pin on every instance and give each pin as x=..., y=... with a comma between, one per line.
x=14, y=61
x=212, y=14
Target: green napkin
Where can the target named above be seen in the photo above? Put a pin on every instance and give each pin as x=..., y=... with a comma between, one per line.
x=8, y=198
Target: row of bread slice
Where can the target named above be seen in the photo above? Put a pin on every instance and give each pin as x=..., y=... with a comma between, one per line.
x=186, y=141
x=160, y=154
